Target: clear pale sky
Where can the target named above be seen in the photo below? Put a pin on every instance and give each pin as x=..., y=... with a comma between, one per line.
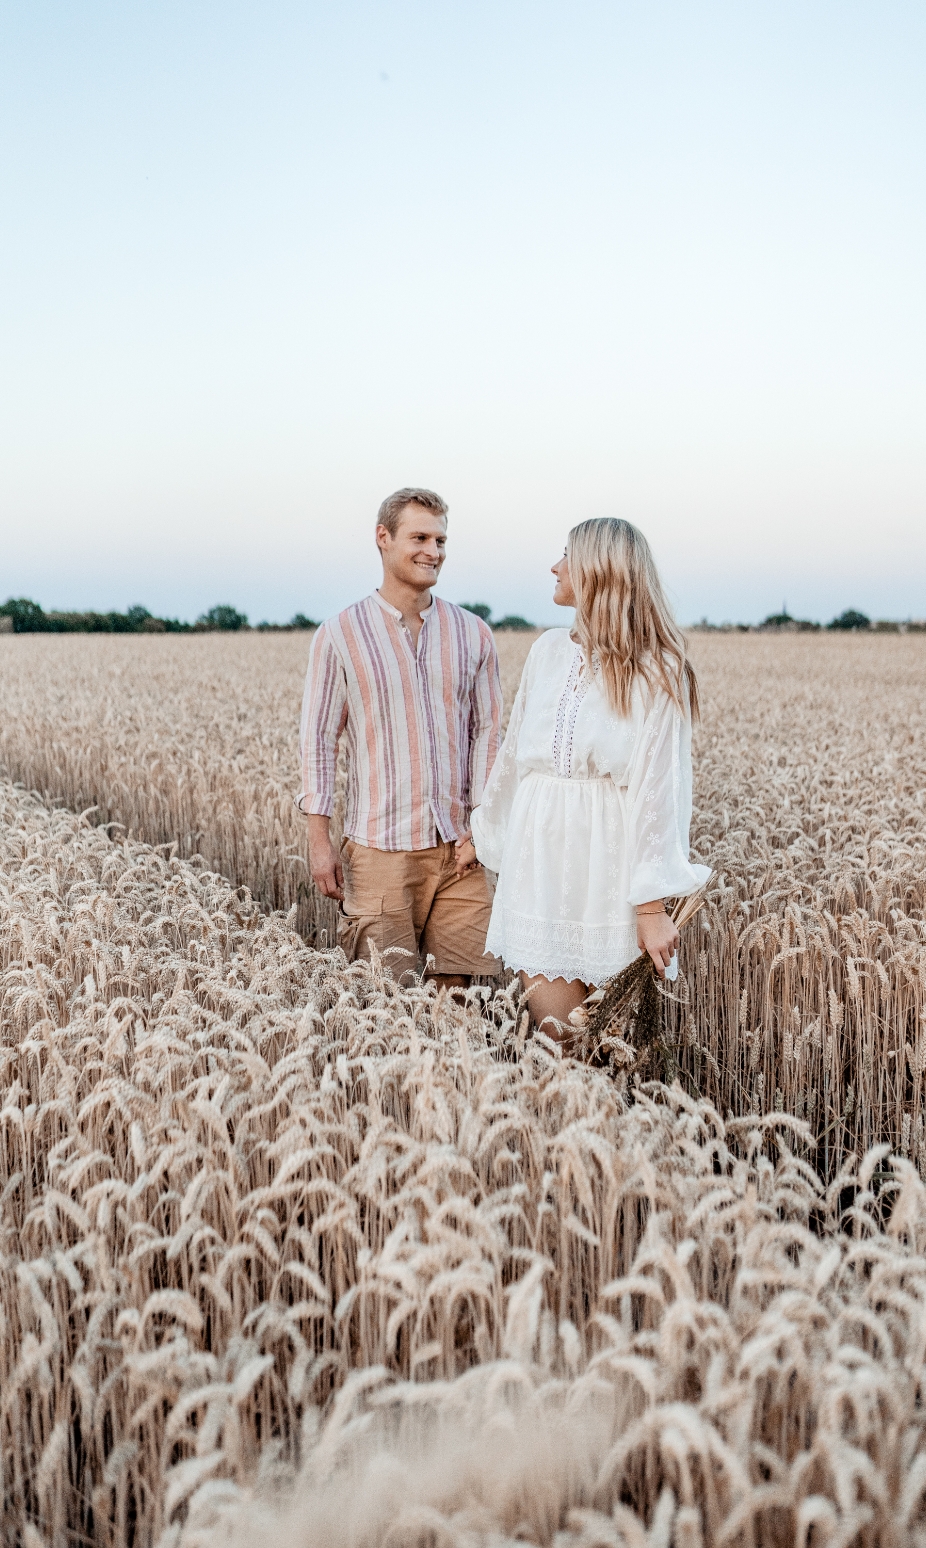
x=262, y=263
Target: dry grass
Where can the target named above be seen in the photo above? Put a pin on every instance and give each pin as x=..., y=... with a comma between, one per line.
x=237, y=1177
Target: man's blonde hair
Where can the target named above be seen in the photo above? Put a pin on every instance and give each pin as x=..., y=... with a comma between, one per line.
x=623, y=621
x=390, y=512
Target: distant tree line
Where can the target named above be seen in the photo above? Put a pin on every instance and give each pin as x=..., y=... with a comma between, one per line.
x=28, y=617
x=850, y=621
x=510, y=621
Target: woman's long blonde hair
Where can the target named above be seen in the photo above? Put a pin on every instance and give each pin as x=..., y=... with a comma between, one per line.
x=623, y=621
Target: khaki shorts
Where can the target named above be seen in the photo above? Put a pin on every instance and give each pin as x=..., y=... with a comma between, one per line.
x=414, y=899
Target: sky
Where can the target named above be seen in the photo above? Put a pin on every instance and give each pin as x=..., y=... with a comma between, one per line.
x=261, y=264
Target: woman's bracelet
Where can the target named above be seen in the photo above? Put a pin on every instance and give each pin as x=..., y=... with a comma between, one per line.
x=644, y=913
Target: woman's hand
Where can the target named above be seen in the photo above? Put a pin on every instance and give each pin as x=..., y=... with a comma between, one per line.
x=657, y=934
x=467, y=859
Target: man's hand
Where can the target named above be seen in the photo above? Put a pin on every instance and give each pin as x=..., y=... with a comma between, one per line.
x=657, y=934
x=327, y=873
x=466, y=855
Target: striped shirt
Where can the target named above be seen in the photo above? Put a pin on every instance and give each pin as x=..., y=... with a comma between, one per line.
x=422, y=727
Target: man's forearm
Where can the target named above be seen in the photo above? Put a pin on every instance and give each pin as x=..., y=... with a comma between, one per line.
x=319, y=828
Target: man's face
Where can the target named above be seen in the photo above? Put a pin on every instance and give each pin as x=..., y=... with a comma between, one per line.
x=415, y=554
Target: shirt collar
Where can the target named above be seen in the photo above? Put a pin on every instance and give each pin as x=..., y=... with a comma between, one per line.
x=393, y=612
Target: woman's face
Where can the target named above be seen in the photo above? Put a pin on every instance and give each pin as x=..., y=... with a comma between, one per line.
x=563, y=594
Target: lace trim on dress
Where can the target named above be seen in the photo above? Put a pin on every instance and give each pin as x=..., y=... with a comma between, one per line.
x=570, y=702
x=561, y=948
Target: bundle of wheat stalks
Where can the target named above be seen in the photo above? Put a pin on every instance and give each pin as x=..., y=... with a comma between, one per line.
x=288, y=1254
x=620, y=1027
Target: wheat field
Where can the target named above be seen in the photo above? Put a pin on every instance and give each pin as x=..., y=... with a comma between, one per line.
x=804, y=987
x=290, y=1255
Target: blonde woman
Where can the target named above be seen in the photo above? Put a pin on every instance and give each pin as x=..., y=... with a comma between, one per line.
x=585, y=815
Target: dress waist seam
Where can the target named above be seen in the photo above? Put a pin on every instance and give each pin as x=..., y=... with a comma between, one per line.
x=573, y=779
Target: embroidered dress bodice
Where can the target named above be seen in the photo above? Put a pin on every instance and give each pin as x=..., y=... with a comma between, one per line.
x=570, y=701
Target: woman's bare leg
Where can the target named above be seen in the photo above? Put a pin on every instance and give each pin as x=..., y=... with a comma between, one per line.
x=552, y=1002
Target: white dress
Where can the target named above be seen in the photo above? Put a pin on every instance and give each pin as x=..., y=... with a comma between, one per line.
x=585, y=814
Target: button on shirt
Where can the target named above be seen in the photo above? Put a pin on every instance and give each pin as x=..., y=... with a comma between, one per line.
x=422, y=725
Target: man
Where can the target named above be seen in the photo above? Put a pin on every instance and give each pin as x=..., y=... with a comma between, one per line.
x=413, y=684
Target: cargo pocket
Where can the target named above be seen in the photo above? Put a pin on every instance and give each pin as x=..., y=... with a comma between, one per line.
x=385, y=922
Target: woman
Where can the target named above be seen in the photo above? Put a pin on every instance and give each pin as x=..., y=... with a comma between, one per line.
x=585, y=816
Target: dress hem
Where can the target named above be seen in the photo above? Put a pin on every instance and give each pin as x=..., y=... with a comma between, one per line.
x=573, y=949
x=566, y=972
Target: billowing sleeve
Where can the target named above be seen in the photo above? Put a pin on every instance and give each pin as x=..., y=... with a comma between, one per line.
x=324, y=714
x=490, y=819
x=485, y=717
x=659, y=806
